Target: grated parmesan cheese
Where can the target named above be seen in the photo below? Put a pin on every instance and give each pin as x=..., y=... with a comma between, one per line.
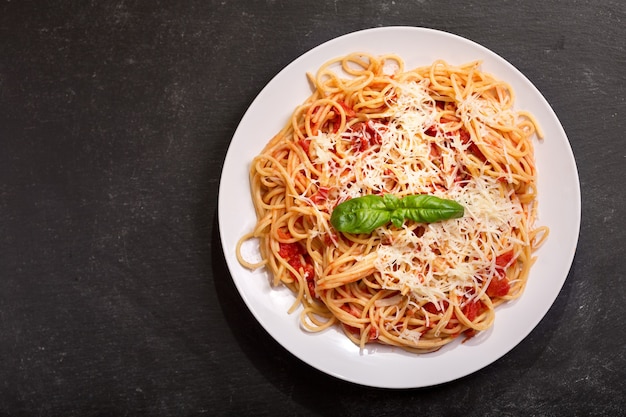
x=449, y=256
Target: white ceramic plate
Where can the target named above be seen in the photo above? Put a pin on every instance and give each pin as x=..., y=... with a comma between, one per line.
x=380, y=366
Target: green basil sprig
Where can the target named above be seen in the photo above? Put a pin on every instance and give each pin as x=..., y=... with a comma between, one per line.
x=366, y=213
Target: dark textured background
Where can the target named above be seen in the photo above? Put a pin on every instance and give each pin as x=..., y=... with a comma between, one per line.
x=115, y=118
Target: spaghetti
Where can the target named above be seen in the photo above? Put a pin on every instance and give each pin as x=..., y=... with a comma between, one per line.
x=372, y=127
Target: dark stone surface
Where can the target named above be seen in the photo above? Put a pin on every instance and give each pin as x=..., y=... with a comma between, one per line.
x=115, y=118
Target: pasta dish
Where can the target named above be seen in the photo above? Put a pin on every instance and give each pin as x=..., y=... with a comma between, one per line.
x=399, y=204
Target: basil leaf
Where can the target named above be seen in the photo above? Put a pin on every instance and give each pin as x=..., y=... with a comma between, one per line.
x=364, y=214
x=424, y=208
x=361, y=214
x=391, y=201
